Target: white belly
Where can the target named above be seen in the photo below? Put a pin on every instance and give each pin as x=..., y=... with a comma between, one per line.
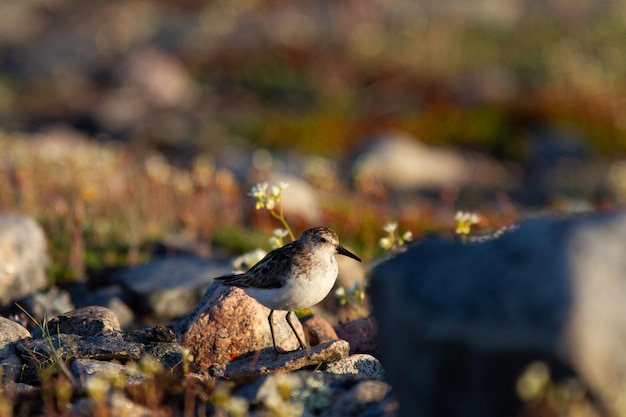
x=300, y=292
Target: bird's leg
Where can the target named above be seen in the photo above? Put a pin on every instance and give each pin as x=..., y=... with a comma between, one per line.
x=269, y=319
x=303, y=344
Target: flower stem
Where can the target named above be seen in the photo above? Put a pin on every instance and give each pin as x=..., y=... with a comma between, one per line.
x=282, y=220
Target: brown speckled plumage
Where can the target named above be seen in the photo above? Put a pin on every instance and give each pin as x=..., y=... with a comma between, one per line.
x=270, y=272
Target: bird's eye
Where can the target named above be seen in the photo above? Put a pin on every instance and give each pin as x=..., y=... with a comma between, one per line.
x=322, y=239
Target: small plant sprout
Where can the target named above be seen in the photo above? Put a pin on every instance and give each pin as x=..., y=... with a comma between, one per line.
x=536, y=386
x=54, y=352
x=97, y=389
x=149, y=365
x=248, y=259
x=64, y=390
x=278, y=238
x=352, y=297
x=394, y=240
x=341, y=295
x=6, y=405
x=280, y=403
x=187, y=360
x=226, y=404
x=464, y=222
x=272, y=200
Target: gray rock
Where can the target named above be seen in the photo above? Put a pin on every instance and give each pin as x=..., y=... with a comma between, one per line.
x=272, y=394
x=11, y=331
x=23, y=258
x=124, y=314
x=157, y=334
x=318, y=393
x=308, y=391
x=116, y=404
x=401, y=162
x=103, y=346
x=263, y=363
x=361, y=365
x=160, y=343
x=315, y=391
x=170, y=356
x=365, y=398
x=85, y=321
x=459, y=323
x=17, y=389
x=112, y=297
x=47, y=303
x=84, y=370
x=169, y=288
x=58, y=350
x=10, y=362
x=157, y=344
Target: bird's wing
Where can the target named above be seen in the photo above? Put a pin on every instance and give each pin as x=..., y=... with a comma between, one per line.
x=242, y=280
x=267, y=273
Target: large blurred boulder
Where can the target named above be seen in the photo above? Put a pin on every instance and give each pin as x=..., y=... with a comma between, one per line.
x=460, y=322
x=401, y=162
x=23, y=257
x=559, y=165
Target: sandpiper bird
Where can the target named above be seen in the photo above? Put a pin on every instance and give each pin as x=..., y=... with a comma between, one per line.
x=295, y=276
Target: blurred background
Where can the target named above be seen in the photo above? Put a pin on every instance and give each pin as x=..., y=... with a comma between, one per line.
x=129, y=126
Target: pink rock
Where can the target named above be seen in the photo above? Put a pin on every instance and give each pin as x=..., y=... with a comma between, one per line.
x=227, y=323
x=253, y=366
x=361, y=334
x=318, y=330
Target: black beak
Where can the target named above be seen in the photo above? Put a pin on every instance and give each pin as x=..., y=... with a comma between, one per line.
x=345, y=252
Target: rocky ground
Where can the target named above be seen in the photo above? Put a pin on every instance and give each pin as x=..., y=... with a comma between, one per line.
x=214, y=353
x=106, y=368
x=223, y=344
x=526, y=321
